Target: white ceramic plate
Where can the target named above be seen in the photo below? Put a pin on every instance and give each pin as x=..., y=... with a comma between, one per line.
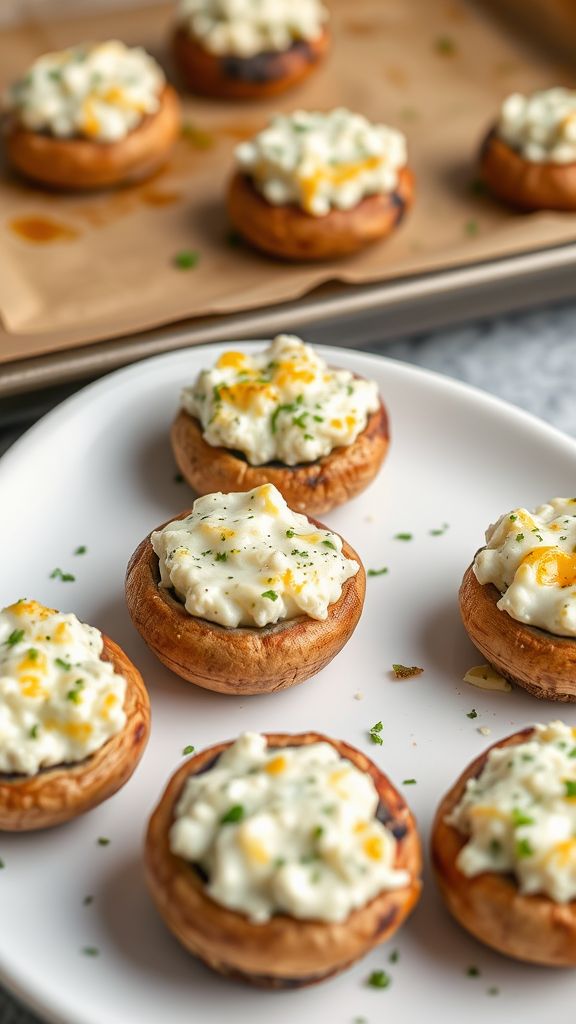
x=98, y=471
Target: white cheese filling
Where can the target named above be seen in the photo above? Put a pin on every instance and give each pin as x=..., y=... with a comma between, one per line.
x=530, y=558
x=291, y=830
x=246, y=559
x=541, y=127
x=520, y=814
x=59, y=701
x=244, y=28
x=323, y=161
x=282, y=403
x=95, y=91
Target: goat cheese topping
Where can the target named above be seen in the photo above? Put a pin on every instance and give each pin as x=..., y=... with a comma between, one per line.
x=323, y=161
x=282, y=403
x=246, y=559
x=288, y=830
x=59, y=701
x=244, y=28
x=520, y=814
x=96, y=91
x=542, y=127
x=529, y=557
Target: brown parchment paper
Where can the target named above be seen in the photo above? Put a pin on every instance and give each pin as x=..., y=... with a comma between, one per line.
x=437, y=69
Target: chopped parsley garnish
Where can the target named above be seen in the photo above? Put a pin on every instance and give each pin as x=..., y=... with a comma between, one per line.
x=308, y=437
x=472, y=714
x=221, y=556
x=329, y=544
x=394, y=956
x=524, y=849
x=103, y=841
x=495, y=848
x=188, y=750
x=87, y=901
x=63, y=664
x=520, y=818
x=439, y=531
x=378, y=572
x=379, y=979
x=318, y=831
x=403, y=536
x=408, y=782
x=519, y=537
x=178, y=478
x=75, y=694
x=374, y=733
x=350, y=389
x=235, y=814
x=81, y=550
x=572, y=752
x=270, y=594
x=287, y=407
x=513, y=517
x=473, y=972
x=406, y=671
x=299, y=421
x=15, y=637
x=90, y=951
x=570, y=785
x=187, y=259
x=66, y=577
x=445, y=46
x=471, y=227
x=493, y=990
x=290, y=533
x=33, y=734
x=33, y=653
x=302, y=554
x=2, y=864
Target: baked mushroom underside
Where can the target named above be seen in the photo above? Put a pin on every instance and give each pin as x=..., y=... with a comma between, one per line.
x=56, y=794
x=534, y=659
x=312, y=488
x=284, y=952
x=523, y=183
x=490, y=905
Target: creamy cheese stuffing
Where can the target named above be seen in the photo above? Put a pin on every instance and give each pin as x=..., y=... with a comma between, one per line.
x=59, y=701
x=530, y=558
x=96, y=91
x=542, y=127
x=246, y=559
x=289, y=830
x=282, y=403
x=244, y=28
x=520, y=814
x=323, y=161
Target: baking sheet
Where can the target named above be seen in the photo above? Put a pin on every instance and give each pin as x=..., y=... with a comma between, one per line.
x=437, y=69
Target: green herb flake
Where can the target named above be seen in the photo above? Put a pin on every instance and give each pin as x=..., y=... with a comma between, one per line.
x=524, y=849
x=472, y=972
x=103, y=841
x=403, y=536
x=408, y=782
x=33, y=734
x=374, y=733
x=221, y=556
x=379, y=979
x=493, y=990
x=81, y=550
x=471, y=228
x=519, y=537
x=270, y=594
x=90, y=951
x=378, y=572
x=63, y=664
x=66, y=577
x=2, y=864
x=406, y=671
x=235, y=814
x=519, y=818
x=394, y=956
x=87, y=901
x=478, y=187
x=439, y=531
x=178, y=478
x=472, y=714
x=75, y=695
x=187, y=259
x=570, y=785
x=329, y=544
x=512, y=517
x=287, y=407
x=15, y=637
x=290, y=533
x=188, y=750
x=445, y=46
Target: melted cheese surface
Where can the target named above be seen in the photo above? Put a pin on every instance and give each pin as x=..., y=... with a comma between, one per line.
x=59, y=701
x=244, y=28
x=291, y=831
x=246, y=559
x=323, y=161
x=542, y=126
x=520, y=814
x=283, y=403
x=97, y=91
x=530, y=557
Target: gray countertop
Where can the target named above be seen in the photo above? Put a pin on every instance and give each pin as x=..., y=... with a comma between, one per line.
x=527, y=359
